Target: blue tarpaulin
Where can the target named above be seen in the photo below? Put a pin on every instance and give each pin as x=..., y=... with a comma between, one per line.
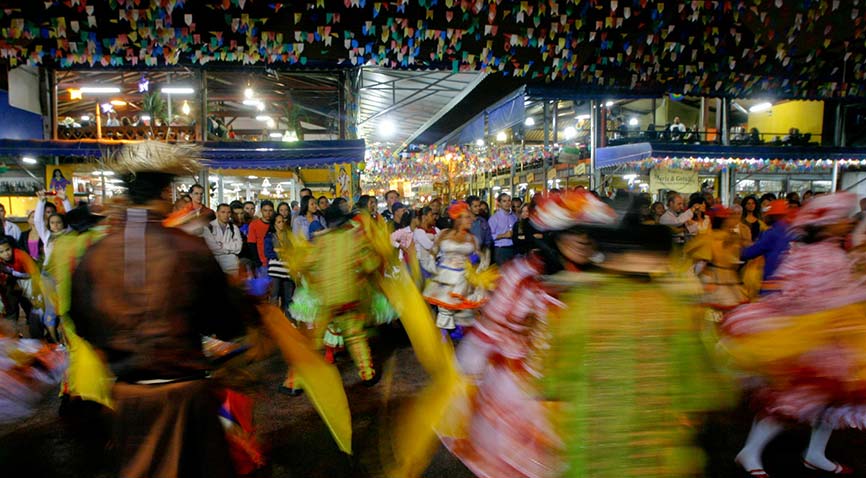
x=221, y=155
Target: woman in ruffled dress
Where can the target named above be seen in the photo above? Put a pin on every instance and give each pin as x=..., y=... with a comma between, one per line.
x=806, y=343
x=450, y=289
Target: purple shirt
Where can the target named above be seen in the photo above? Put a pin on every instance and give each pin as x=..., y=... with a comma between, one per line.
x=500, y=223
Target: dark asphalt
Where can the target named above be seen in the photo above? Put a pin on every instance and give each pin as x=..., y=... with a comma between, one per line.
x=300, y=445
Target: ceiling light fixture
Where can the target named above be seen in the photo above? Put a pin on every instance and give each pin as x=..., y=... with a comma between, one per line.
x=529, y=121
x=387, y=128
x=249, y=93
x=570, y=132
x=29, y=160
x=118, y=102
x=185, y=108
x=761, y=107
x=582, y=117
x=99, y=90
x=479, y=142
x=177, y=90
x=633, y=122
x=501, y=136
x=275, y=134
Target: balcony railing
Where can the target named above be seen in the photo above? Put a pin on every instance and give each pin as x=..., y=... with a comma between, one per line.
x=130, y=133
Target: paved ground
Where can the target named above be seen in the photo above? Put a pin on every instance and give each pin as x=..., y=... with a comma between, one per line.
x=300, y=446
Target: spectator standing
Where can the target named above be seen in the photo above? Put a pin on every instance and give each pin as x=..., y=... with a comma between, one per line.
x=480, y=227
x=258, y=230
x=9, y=228
x=323, y=204
x=277, y=242
x=485, y=210
x=14, y=290
x=501, y=225
x=424, y=237
x=307, y=216
x=751, y=218
x=224, y=239
x=524, y=234
x=675, y=217
x=391, y=198
x=54, y=225
x=284, y=210
x=196, y=195
x=30, y=241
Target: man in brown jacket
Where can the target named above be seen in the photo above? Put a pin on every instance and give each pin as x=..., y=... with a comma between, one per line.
x=144, y=296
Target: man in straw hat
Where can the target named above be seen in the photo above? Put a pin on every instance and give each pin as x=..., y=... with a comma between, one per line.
x=125, y=302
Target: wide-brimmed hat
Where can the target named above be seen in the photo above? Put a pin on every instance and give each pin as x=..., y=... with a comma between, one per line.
x=156, y=157
x=778, y=207
x=825, y=210
x=561, y=211
x=80, y=218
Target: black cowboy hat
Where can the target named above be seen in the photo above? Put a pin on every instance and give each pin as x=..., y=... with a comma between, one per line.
x=80, y=218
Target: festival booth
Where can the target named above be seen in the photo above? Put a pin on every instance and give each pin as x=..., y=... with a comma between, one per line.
x=727, y=171
x=234, y=170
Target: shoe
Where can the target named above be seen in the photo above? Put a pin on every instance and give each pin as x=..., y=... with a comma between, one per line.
x=755, y=473
x=373, y=381
x=837, y=470
x=292, y=392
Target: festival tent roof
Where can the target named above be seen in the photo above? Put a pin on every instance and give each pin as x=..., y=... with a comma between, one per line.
x=221, y=155
x=736, y=48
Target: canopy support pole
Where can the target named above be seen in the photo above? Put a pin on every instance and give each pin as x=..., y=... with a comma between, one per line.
x=545, y=120
x=835, y=185
x=593, y=145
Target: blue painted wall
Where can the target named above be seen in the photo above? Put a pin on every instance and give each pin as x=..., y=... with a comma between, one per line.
x=16, y=123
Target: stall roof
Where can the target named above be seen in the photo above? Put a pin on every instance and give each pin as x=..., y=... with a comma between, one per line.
x=631, y=153
x=224, y=155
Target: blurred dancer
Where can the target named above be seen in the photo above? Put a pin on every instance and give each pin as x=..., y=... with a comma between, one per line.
x=509, y=430
x=717, y=261
x=149, y=334
x=587, y=362
x=338, y=279
x=450, y=288
x=806, y=342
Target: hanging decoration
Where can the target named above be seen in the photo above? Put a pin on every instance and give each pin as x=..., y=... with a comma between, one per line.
x=806, y=49
x=432, y=164
x=745, y=165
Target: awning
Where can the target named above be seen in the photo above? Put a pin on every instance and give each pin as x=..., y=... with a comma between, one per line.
x=633, y=153
x=223, y=155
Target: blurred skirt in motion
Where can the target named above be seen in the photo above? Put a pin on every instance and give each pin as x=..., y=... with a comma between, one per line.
x=631, y=375
x=806, y=344
x=170, y=431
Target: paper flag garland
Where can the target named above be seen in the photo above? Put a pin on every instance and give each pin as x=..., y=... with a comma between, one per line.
x=719, y=48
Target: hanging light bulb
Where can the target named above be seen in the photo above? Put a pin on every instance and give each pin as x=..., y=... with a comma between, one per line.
x=249, y=93
x=185, y=108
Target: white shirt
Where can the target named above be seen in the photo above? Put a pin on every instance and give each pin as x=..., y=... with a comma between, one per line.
x=226, y=244
x=42, y=229
x=678, y=127
x=11, y=230
x=670, y=218
x=423, y=244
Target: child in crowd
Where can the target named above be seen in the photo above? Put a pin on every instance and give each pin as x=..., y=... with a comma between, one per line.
x=15, y=286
